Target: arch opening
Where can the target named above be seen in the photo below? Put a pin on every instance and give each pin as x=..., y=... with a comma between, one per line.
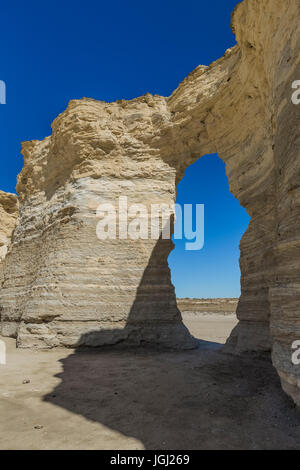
x=207, y=281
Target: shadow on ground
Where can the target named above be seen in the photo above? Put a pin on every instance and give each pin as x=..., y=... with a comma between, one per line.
x=199, y=399
x=191, y=399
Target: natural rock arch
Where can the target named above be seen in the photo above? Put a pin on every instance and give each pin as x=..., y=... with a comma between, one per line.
x=62, y=286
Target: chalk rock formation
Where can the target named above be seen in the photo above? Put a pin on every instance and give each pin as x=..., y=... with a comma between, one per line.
x=8, y=217
x=64, y=286
x=73, y=288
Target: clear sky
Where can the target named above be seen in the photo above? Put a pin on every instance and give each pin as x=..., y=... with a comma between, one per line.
x=60, y=50
x=213, y=271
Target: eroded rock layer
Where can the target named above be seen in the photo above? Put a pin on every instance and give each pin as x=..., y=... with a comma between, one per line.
x=64, y=286
x=8, y=217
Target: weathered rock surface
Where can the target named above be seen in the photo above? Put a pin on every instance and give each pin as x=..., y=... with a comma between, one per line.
x=63, y=286
x=8, y=216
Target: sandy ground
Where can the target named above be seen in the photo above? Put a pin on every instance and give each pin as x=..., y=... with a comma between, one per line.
x=141, y=399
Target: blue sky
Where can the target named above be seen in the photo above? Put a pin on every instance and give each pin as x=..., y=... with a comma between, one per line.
x=213, y=271
x=60, y=50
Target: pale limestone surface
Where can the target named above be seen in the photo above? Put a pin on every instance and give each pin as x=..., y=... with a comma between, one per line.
x=8, y=216
x=65, y=287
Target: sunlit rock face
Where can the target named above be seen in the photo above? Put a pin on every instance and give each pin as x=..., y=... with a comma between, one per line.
x=64, y=286
x=8, y=217
x=72, y=287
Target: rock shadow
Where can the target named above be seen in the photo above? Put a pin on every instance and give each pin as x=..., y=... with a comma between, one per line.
x=190, y=399
x=154, y=319
x=198, y=399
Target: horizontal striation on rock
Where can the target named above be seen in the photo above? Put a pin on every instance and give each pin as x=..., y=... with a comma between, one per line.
x=61, y=285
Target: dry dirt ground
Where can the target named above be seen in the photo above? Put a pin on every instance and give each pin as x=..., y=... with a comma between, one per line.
x=141, y=399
